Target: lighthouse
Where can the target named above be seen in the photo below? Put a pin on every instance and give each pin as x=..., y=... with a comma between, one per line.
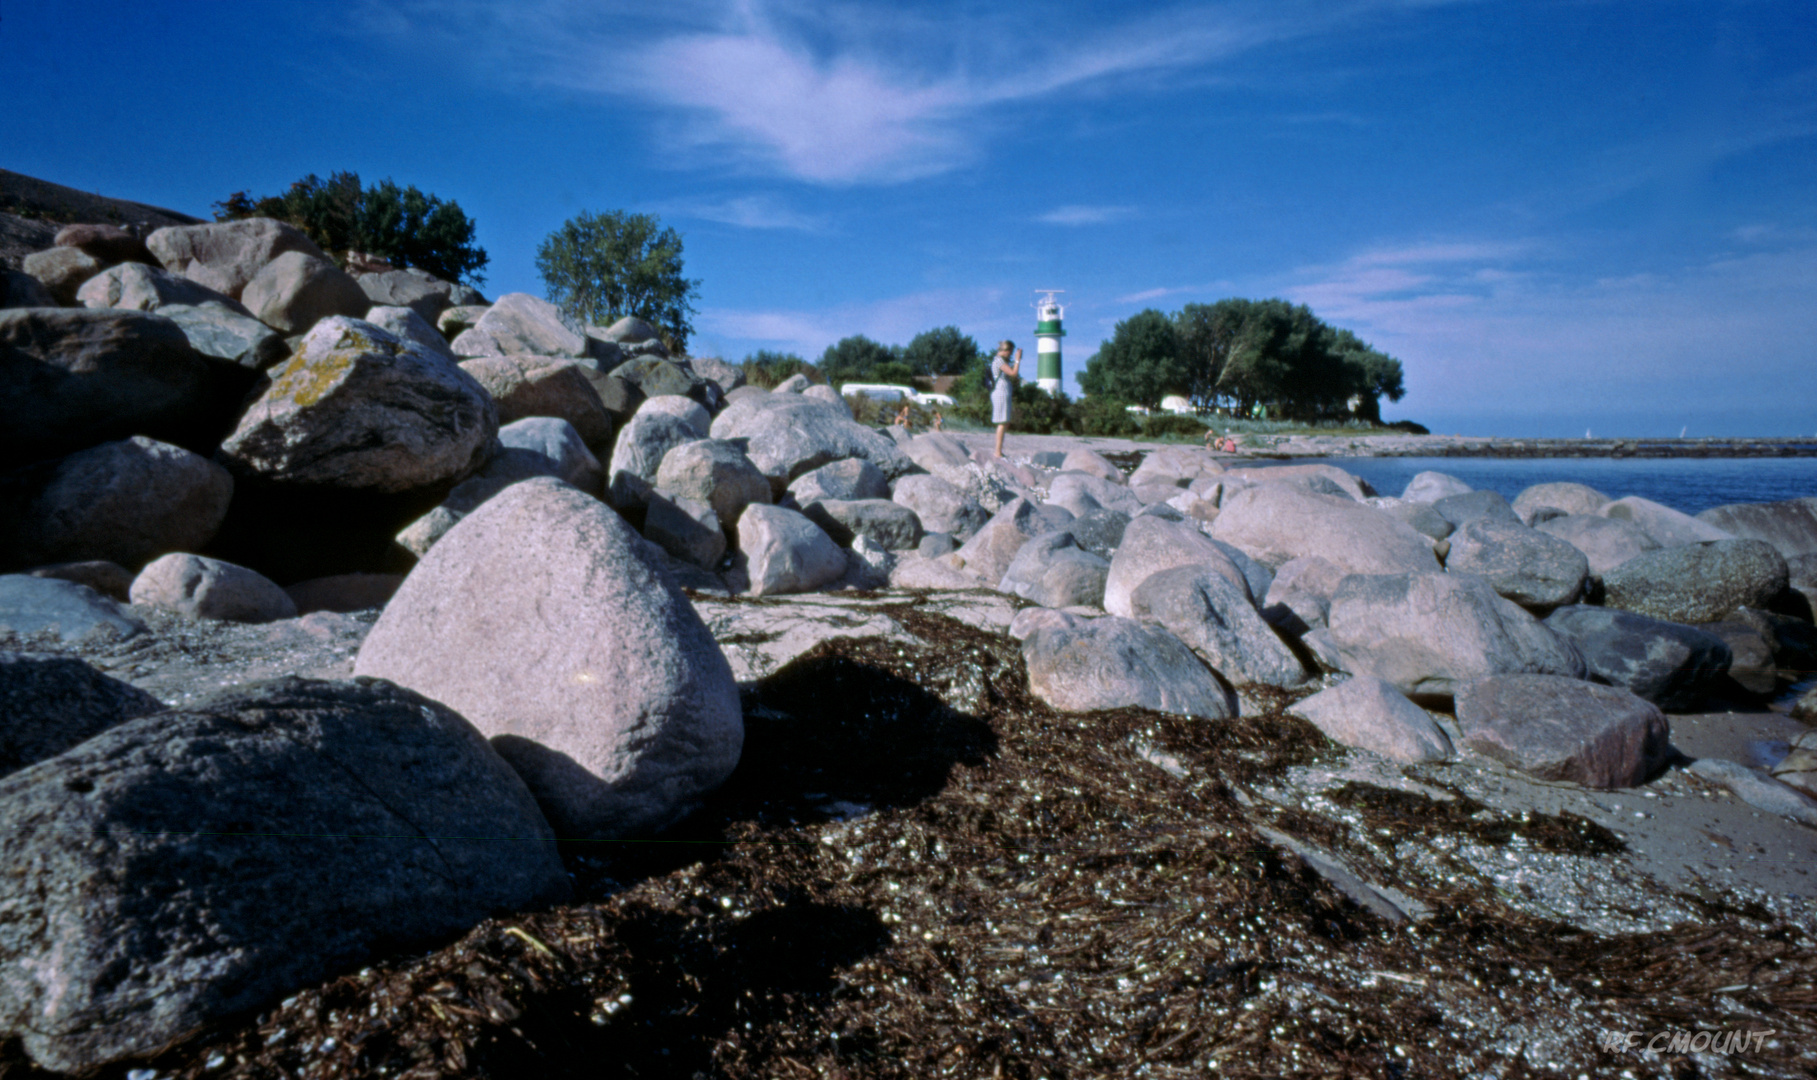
x=1047, y=340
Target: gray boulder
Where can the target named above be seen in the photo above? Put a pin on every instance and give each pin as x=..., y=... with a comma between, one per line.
x=1531, y=568
x=1470, y=506
x=1699, y=582
x=936, y=448
x=205, y=869
x=110, y=579
x=1216, y=619
x=1752, y=667
x=62, y=270
x=51, y=703
x=1055, y=572
x=460, y=318
x=1313, y=479
x=657, y=377
x=556, y=440
x=1790, y=526
x=358, y=408
x=1430, y=633
x=520, y=323
x=125, y=502
x=715, y=473
x=1425, y=520
x=1371, y=714
x=1092, y=464
x=1153, y=544
x=139, y=287
x=408, y=324
x=683, y=408
x=109, y=243
x=525, y=385
x=1177, y=465
x=1563, y=729
x=787, y=435
x=1605, y=542
x=890, y=525
x=1430, y=487
x=629, y=330
x=1275, y=524
x=72, y=611
x=941, y=507
x=687, y=529
x=1667, y=526
x=294, y=291
x=1562, y=495
x=20, y=289
x=1028, y=620
x=205, y=588
x=853, y=478
x=418, y=290
x=508, y=466
x=1067, y=488
x=1667, y=663
x=227, y=255
x=1116, y=663
x=628, y=713
x=987, y=555
x=794, y=384
x=728, y=377
x=72, y=379
x=1299, y=597
x=1099, y=531
x=785, y=552
x=216, y=330
x=638, y=455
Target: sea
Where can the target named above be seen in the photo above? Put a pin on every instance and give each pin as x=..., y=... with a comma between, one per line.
x=1689, y=485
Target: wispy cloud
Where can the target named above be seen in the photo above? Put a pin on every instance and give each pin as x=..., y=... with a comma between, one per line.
x=1086, y=215
x=893, y=321
x=746, y=212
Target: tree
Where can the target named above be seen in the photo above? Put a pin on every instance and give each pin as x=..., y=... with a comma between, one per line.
x=1140, y=364
x=403, y=226
x=599, y=268
x=766, y=369
x=941, y=351
x=859, y=359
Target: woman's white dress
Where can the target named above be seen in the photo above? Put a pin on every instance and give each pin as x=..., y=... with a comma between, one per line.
x=1000, y=394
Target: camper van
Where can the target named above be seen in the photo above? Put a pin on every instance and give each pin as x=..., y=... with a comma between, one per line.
x=877, y=391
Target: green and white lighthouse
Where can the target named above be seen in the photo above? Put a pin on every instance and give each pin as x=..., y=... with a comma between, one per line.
x=1047, y=340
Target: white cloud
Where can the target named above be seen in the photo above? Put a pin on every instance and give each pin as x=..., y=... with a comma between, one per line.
x=746, y=212
x=892, y=321
x=1086, y=215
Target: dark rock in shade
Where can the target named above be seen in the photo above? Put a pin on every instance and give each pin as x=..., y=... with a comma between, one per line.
x=892, y=525
x=50, y=703
x=1751, y=667
x=1424, y=520
x=108, y=243
x=1564, y=729
x=218, y=331
x=1256, y=574
x=1532, y=569
x=1113, y=663
x=1055, y=572
x=290, y=533
x=19, y=289
x=728, y=377
x=418, y=290
x=1218, y=620
x=1101, y=533
x=124, y=502
x=109, y=579
x=76, y=378
x=62, y=270
x=619, y=397
x=344, y=592
x=192, y=866
x=1792, y=640
x=1790, y=526
x=1460, y=510
x=659, y=378
x=32, y=605
x=1697, y=583
x=1667, y=663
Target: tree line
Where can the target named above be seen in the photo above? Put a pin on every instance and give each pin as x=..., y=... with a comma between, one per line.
x=1237, y=354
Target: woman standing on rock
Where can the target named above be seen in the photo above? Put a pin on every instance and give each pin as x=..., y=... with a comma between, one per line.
x=1003, y=376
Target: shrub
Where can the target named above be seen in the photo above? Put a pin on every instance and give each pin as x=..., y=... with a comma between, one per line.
x=1100, y=415
x=1161, y=425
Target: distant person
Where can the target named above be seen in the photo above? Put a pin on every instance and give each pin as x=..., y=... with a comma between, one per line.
x=939, y=421
x=1003, y=372
x=902, y=416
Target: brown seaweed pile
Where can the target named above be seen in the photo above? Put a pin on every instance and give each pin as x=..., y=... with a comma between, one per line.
x=919, y=870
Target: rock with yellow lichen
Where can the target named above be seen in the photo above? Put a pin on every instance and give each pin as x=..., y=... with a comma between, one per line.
x=358, y=408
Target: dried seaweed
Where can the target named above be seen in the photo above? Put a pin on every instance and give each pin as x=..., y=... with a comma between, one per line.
x=1566, y=833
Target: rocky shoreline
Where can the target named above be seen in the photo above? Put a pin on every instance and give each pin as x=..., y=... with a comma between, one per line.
x=403, y=684
x=1299, y=446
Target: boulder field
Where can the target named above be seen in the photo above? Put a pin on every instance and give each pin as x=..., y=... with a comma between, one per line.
x=573, y=553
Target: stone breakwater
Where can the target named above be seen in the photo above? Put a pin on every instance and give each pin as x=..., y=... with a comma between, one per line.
x=1298, y=446
x=345, y=615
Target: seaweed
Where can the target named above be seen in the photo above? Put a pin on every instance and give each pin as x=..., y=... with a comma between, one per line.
x=1565, y=833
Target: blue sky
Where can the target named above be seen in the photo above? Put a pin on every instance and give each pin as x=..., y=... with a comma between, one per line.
x=1558, y=215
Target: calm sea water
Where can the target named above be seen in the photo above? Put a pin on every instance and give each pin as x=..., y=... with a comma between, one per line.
x=1687, y=484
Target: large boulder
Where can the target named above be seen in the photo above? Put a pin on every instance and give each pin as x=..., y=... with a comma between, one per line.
x=1669, y=664
x=408, y=324
x=418, y=290
x=1430, y=633
x=664, y=378
x=684, y=408
x=1216, y=618
x=1531, y=568
x=1275, y=524
x=194, y=866
x=933, y=448
x=295, y=291
x=20, y=289
x=785, y=552
x=1605, y=542
x=1563, y=729
x=1152, y=544
x=1299, y=597
x=358, y=408
x=1669, y=527
x=1698, y=582
x=1790, y=526
x=525, y=385
x=715, y=473
x=1371, y=714
x=628, y=712
x=1316, y=479
x=637, y=456
x=987, y=554
x=728, y=377
x=687, y=529
x=1091, y=463
x=521, y=323
x=126, y=502
x=1067, y=488
x=1559, y=495
x=942, y=507
x=1470, y=506
x=139, y=287
x=1055, y=572
x=890, y=525
x=109, y=243
x=853, y=478
x=1425, y=520
x=205, y=588
x=508, y=466
x=62, y=270
x=51, y=703
x=1099, y=531
x=227, y=255
x=1175, y=465
x=1113, y=663
x=71, y=611
x=556, y=440
x=787, y=435
x=71, y=379
x=1430, y=487
x=216, y=330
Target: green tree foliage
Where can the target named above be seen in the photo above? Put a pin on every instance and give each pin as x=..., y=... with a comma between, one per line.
x=599, y=268
x=1238, y=353
x=941, y=351
x=859, y=359
x=768, y=369
x=403, y=226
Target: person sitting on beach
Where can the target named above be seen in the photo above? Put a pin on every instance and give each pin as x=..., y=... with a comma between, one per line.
x=902, y=416
x=1003, y=371
x=939, y=421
